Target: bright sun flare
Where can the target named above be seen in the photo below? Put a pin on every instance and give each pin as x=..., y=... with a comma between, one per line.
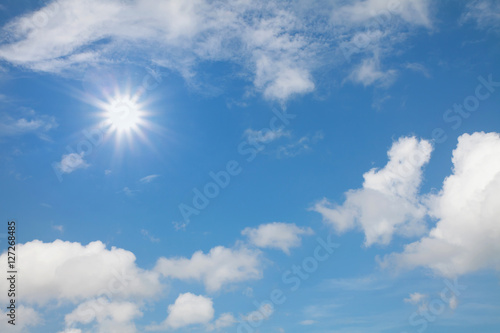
x=123, y=115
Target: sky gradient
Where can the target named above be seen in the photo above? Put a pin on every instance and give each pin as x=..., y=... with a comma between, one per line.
x=251, y=166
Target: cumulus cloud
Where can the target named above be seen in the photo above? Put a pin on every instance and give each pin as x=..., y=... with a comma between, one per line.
x=215, y=269
x=466, y=236
x=113, y=317
x=388, y=202
x=278, y=235
x=224, y=320
x=71, y=162
x=188, y=309
x=66, y=271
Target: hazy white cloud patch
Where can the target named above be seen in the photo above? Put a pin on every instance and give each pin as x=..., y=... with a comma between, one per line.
x=71, y=162
x=148, y=179
x=415, y=298
x=27, y=121
x=265, y=311
x=369, y=72
x=148, y=236
x=265, y=135
x=484, y=13
x=219, y=267
x=278, y=235
x=419, y=68
x=302, y=145
x=415, y=12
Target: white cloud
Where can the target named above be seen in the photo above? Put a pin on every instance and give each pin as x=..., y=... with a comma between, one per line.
x=300, y=146
x=265, y=311
x=415, y=298
x=188, y=32
x=112, y=317
x=265, y=135
x=188, y=309
x=275, y=44
x=71, y=330
x=365, y=283
x=128, y=191
x=369, y=72
x=359, y=11
x=224, y=320
x=59, y=228
x=308, y=322
x=148, y=235
x=485, y=13
x=27, y=122
x=25, y=317
x=388, y=202
x=416, y=67
x=66, y=271
x=215, y=269
x=278, y=235
x=148, y=179
x=72, y=162
x=466, y=237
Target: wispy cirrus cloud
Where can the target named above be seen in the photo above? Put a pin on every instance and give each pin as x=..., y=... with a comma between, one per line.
x=484, y=13
x=275, y=44
x=148, y=179
x=27, y=121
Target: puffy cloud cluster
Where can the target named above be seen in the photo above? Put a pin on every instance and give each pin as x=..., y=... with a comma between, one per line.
x=466, y=235
x=66, y=271
x=388, y=202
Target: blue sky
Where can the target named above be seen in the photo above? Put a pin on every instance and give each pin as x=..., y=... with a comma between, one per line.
x=252, y=166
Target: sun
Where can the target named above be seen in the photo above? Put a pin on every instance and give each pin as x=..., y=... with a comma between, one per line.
x=123, y=114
